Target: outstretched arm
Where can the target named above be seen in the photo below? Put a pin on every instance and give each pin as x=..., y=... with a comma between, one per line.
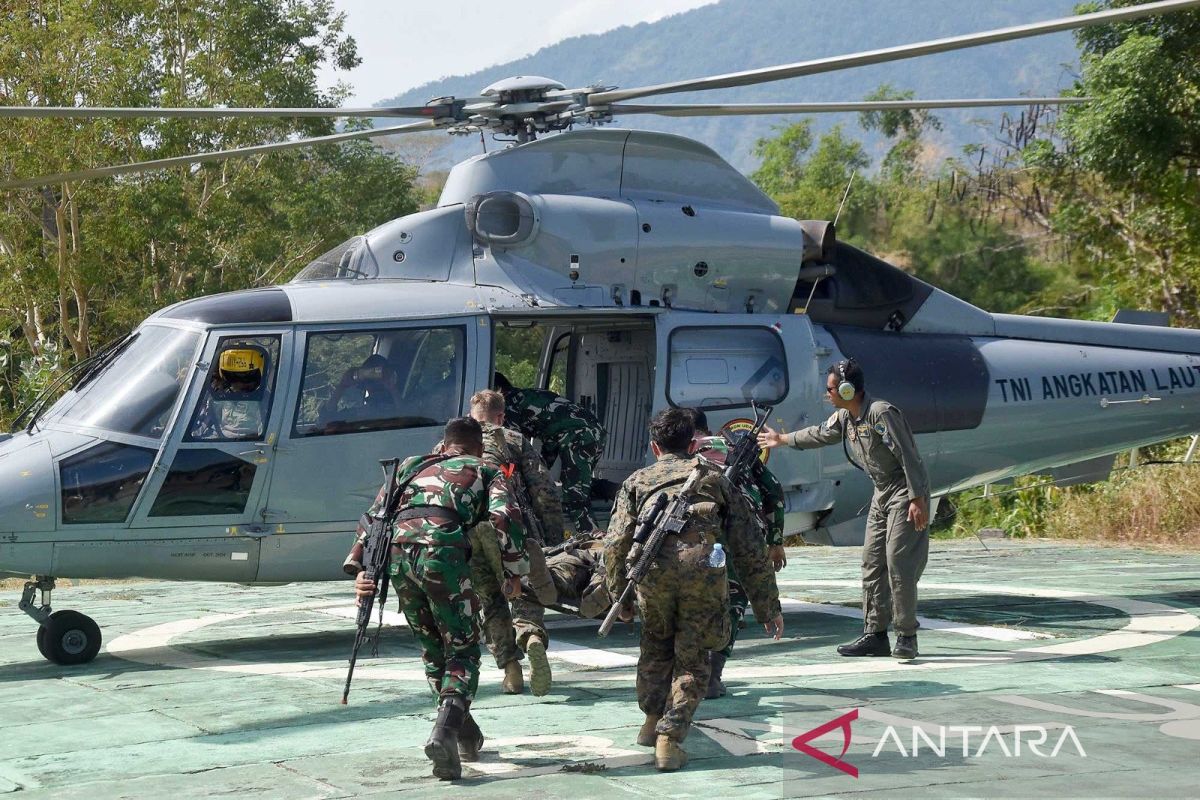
x=828, y=432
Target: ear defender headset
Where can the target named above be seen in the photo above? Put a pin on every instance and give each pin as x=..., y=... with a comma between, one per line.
x=845, y=388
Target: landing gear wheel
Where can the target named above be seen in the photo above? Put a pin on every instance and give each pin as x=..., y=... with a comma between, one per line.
x=41, y=643
x=69, y=637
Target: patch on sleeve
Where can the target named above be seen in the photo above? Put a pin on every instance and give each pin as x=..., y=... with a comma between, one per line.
x=882, y=430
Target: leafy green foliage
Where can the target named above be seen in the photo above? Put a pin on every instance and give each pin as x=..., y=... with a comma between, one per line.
x=81, y=263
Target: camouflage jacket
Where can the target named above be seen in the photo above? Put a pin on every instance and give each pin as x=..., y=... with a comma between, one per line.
x=734, y=527
x=880, y=442
x=542, y=414
x=511, y=451
x=473, y=491
x=765, y=491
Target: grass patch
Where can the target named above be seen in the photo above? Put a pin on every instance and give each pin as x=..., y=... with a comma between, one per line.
x=1155, y=505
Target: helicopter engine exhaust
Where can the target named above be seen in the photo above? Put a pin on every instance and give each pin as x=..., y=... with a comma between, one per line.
x=820, y=237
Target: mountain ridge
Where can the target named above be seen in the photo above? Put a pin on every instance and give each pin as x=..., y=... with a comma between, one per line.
x=735, y=35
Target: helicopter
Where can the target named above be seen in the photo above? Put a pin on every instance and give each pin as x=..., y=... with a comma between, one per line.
x=654, y=272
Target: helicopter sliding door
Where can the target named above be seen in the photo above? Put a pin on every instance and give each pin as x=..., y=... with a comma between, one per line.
x=720, y=362
x=208, y=484
x=362, y=392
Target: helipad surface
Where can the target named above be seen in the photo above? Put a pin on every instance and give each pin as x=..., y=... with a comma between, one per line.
x=1090, y=657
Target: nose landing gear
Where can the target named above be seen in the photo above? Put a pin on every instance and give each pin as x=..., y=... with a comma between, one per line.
x=64, y=637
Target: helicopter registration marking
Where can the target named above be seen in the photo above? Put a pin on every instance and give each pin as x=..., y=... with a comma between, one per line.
x=1098, y=383
x=1149, y=623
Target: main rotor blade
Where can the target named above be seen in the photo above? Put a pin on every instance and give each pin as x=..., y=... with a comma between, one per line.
x=219, y=155
x=834, y=63
x=420, y=112
x=748, y=109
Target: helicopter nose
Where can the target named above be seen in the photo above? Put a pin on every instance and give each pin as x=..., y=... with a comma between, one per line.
x=26, y=485
x=27, y=505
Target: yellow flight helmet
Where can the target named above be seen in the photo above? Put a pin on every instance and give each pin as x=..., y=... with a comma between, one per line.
x=242, y=363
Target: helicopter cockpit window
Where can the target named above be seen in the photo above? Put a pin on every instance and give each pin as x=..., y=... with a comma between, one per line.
x=726, y=367
x=236, y=401
x=203, y=482
x=136, y=392
x=100, y=484
x=380, y=380
x=350, y=260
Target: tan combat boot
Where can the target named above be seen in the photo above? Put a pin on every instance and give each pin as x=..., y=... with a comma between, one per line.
x=648, y=736
x=669, y=755
x=539, y=666
x=514, y=682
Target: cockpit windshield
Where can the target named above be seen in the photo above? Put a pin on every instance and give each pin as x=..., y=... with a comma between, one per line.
x=350, y=260
x=136, y=391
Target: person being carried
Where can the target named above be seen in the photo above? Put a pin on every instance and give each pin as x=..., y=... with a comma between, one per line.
x=566, y=430
x=577, y=568
x=446, y=495
x=896, y=546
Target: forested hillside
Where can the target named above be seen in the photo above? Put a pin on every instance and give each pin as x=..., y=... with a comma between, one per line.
x=735, y=35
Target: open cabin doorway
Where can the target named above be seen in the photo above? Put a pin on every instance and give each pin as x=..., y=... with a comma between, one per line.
x=603, y=363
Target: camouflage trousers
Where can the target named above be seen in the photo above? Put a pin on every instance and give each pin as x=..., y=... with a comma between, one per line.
x=487, y=576
x=528, y=619
x=684, y=607
x=739, y=601
x=433, y=585
x=579, y=449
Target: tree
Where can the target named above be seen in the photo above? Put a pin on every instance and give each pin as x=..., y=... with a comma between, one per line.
x=1116, y=178
x=82, y=262
x=811, y=185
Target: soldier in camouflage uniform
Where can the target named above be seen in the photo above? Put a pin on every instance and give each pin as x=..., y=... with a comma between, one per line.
x=446, y=494
x=577, y=569
x=896, y=545
x=579, y=576
x=684, y=601
x=516, y=457
x=566, y=430
x=766, y=498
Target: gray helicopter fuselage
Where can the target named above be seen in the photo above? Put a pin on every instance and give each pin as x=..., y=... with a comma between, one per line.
x=661, y=276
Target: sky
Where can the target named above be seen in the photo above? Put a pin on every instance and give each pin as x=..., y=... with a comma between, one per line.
x=405, y=43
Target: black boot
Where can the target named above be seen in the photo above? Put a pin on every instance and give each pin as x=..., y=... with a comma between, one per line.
x=442, y=747
x=716, y=688
x=470, y=739
x=906, y=646
x=869, y=644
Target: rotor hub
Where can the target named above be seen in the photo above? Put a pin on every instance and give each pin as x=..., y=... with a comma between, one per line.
x=525, y=106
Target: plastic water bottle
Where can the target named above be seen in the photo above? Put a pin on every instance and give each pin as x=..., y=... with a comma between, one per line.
x=716, y=559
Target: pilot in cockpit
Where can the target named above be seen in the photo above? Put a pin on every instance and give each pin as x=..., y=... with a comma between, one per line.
x=233, y=409
x=365, y=393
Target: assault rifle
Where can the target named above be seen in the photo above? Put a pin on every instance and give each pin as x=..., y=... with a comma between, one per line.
x=520, y=493
x=539, y=577
x=665, y=517
x=377, y=557
x=573, y=543
x=742, y=455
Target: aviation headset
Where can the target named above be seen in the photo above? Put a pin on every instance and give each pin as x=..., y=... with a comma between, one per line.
x=845, y=389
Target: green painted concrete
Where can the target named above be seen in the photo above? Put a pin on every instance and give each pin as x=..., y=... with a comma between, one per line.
x=214, y=690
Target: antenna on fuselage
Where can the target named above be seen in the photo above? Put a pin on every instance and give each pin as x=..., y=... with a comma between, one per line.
x=816, y=274
x=845, y=195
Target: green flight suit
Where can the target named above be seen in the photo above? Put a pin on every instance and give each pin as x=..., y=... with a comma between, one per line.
x=894, y=551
